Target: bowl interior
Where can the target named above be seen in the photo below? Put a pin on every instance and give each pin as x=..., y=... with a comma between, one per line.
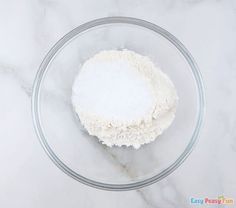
x=84, y=154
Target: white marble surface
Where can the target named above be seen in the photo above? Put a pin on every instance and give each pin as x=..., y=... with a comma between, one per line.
x=28, y=28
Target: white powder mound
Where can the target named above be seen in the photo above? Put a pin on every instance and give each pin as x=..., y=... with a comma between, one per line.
x=122, y=98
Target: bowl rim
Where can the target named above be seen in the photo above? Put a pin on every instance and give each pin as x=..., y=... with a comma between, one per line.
x=44, y=66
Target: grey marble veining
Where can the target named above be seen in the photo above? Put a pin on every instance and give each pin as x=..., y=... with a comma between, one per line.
x=28, y=30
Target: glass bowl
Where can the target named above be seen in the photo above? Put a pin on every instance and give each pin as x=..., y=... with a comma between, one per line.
x=82, y=156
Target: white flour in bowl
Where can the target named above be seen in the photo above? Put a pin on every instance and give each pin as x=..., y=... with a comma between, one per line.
x=122, y=98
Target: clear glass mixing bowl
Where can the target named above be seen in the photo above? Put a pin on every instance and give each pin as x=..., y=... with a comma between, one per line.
x=82, y=156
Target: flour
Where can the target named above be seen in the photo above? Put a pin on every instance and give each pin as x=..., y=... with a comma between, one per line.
x=122, y=98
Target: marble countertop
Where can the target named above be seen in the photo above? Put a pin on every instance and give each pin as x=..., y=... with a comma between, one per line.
x=27, y=31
